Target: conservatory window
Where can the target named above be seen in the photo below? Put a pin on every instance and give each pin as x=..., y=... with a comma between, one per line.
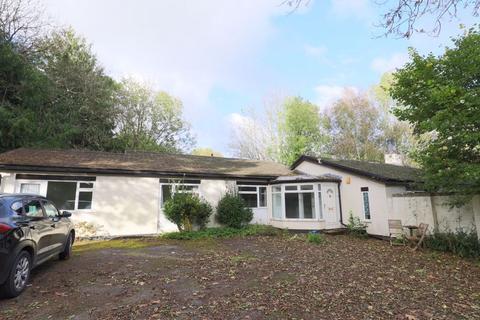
x=300, y=202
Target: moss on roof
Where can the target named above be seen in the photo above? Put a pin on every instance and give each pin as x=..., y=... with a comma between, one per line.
x=147, y=162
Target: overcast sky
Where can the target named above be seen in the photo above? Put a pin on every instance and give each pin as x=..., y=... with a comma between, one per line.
x=221, y=57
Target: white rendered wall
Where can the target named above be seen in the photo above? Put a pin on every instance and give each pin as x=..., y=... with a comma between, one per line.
x=351, y=196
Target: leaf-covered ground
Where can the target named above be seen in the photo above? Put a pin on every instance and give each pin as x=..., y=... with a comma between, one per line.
x=251, y=278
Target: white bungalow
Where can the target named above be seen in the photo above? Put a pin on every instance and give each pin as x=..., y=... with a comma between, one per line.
x=122, y=194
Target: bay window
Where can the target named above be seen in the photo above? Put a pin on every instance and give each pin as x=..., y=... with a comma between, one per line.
x=297, y=201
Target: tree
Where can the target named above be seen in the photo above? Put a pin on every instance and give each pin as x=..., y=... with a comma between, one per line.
x=24, y=90
x=255, y=134
x=81, y=110
x=22, y=23
x=150, y=120
x=404, y=18
x=440, y=97
x=353, y=123
x=300, y=129
x=209, y=152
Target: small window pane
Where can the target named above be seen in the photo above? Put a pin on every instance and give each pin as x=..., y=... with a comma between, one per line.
x=30, y=188
x=277, y=189
x=306, y=187
x=277, y=205
x=250, y=199
x=320, y=210
x=62, y=194
x=366, y=205
x=290, y=188
x=248, y=189
x=262, y=196
x=166, y=193
x=291, y=206
x=86, y=185
x=85, y=200
x=50, y=209
x=33, y=209
x=308, y=205
x=17, y=208
x=184, y=188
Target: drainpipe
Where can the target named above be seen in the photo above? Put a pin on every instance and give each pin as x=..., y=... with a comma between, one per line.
x=340, y=205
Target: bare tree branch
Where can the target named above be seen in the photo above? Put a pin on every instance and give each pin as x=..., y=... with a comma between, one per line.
x=22, y=22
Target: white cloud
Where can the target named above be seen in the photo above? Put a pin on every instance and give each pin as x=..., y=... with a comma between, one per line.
x=382, y=65
x=186, y=48
x=327, y=94
x=315, y=51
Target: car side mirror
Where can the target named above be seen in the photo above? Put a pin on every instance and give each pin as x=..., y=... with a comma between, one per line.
x=65, y=214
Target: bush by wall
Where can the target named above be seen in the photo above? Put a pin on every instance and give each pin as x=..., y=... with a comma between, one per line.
x=232, y=211
x=464, y=244
x=187, y=211
x=356, y=227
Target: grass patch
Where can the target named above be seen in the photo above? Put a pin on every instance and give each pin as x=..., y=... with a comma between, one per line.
x=315, y=238
x=137, y=243
x=215, y=233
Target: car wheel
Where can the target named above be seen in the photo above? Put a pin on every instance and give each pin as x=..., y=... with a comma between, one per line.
x=67, y=252
x=19, y=275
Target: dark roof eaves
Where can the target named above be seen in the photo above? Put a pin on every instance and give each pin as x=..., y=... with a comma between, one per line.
x=142, y=173
x=365, y=173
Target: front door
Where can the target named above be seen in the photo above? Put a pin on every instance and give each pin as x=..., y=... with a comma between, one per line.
x=330, y=212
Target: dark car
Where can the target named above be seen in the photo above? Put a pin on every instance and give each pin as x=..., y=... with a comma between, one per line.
x=32, y=231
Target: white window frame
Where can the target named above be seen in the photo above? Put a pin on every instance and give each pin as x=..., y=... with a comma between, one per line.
x=175, y=186
x=369, y=206
x=316, y=190
x=257, y=192
x=44, y=188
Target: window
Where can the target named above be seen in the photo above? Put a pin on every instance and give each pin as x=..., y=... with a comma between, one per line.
x=320, y=209
x=299, y=202
x=366, y=203
x=50, y=209
x=17, y=207
x=33, y=209
x=277, y=209
x=169, y=187
x=31, y=188
x=69, y=195
x=254, y=196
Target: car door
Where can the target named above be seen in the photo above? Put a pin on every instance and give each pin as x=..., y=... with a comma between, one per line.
x=59, y=225
x=40, y=228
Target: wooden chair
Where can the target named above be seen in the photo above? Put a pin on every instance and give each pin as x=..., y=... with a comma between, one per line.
x=395, y=230
x=418, y=239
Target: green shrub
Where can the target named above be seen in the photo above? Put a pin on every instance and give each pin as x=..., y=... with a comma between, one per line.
x=463, y=244
x=187, y=210
x=213, y=233
x=356, y=227
x=232, y=211
x=315, y=238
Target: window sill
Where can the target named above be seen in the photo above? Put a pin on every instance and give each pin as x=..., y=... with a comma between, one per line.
x=293, y=220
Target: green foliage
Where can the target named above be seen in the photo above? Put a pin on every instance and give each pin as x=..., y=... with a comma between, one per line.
x=233, y=212
x=187, y=211
x=440, y=98
x=213, y=233
x=356, y=227
x=315, y=238
x=464, y=244
x=149, y=120
x=80, y=110
x=300, y=130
